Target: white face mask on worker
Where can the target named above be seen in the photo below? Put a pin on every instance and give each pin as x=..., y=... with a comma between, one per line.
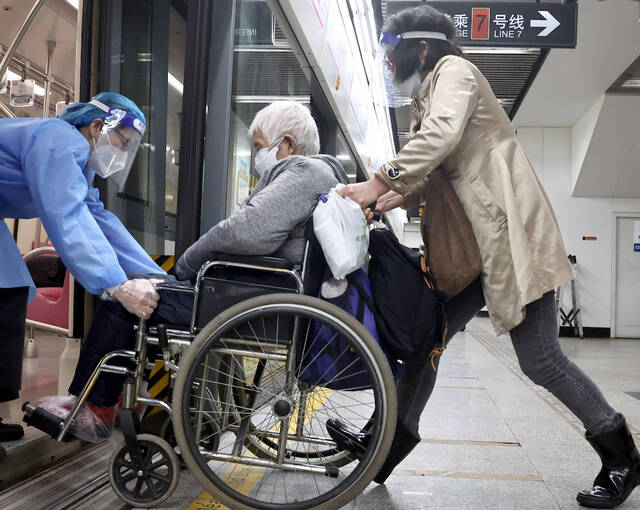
x=106, y=159
x=410, y=86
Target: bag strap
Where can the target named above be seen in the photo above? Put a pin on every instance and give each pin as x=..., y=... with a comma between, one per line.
x=364, y=295
x=428, y=279
x=360, y=310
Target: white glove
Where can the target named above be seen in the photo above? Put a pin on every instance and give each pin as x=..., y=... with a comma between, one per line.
x=139, y=297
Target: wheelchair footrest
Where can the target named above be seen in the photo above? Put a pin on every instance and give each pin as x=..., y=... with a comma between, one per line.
x=44, y=420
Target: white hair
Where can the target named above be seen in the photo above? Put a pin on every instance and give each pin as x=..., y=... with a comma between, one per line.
x=282, y=118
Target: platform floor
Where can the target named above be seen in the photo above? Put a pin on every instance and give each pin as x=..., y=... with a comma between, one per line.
x=490, y=439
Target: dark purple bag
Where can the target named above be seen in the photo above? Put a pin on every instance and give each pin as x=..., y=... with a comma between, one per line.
x=328, y=360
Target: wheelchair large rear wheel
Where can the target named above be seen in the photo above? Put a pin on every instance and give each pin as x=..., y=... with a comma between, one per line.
x=273, y=449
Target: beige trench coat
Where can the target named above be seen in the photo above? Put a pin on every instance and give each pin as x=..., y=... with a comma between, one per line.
x=457, y=122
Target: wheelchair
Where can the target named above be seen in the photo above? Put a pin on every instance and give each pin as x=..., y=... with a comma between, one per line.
x=249, y=421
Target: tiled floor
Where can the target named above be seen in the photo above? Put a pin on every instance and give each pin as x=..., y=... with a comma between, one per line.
x=491, y=439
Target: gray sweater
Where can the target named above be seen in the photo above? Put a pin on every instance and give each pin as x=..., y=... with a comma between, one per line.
x=272, y=220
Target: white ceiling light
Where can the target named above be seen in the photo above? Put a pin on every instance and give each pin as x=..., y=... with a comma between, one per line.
x=74, y=3
x=500, y=51
x=175, y=83
x=631, y=83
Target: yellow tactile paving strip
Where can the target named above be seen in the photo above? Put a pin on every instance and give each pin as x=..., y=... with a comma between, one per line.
x=243, y=478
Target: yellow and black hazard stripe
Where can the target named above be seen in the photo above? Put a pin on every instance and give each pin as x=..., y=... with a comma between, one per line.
x=166, y=262
x=158, y=385
x=158, y=380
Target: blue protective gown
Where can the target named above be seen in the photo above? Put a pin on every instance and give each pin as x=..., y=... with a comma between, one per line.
x=43, y=174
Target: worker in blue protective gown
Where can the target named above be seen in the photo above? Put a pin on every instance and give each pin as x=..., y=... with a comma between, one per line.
x=47, y=168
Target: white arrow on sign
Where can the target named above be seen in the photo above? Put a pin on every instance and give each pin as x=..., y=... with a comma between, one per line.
x=549, y=23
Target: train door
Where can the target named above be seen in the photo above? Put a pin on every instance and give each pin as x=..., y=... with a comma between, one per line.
x=142, y=56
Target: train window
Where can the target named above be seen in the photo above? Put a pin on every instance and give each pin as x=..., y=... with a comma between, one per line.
x=265, y=69
x=144, y=44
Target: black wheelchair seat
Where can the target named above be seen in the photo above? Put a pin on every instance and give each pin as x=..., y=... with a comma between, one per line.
x=253, y=260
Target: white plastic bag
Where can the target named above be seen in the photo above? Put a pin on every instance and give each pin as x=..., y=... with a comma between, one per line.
x=341, y=229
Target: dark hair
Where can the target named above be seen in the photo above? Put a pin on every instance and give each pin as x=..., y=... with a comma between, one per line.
x=406, y=55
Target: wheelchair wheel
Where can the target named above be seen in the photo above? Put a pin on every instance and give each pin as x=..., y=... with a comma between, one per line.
x=209, y=427
x=273, y=449
x=266, y=448
x=148, y=480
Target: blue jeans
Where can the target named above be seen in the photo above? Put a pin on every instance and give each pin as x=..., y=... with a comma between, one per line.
x=536, y=344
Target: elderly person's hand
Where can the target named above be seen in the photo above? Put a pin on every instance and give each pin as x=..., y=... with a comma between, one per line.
x=368, y=214
x=364, y=193
x=390, y=200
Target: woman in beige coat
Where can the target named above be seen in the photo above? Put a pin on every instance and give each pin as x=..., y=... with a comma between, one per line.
x=458, y=123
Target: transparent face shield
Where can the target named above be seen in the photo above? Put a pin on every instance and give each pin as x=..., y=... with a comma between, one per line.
x=398, y=94
x=117, y=145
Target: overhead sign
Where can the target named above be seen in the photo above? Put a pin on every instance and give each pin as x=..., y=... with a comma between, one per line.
x=530, y=25
x=636, y=236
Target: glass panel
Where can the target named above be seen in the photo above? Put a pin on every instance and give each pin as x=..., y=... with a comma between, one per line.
x=346, y=158
x=265, y=69
x=145, y=62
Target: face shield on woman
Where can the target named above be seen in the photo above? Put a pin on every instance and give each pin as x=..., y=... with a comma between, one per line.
x=115, y=148
x=399, y=93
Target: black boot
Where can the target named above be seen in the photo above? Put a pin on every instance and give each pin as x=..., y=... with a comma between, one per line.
x=620, y=472
x=403, y=444
x=9, y=432
x=354, y=442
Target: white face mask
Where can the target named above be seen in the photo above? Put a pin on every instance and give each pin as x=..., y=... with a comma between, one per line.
x=266, y=158
x=411, y=85
x=106, y=159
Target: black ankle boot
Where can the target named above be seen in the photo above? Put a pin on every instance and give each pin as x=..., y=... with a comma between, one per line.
x=620, y=472
x=354, y=442
x=403, y=444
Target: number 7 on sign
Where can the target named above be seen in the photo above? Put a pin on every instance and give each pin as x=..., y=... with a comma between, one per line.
x=481, y=17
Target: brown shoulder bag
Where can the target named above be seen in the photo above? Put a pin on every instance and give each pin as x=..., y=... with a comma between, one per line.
x=451, y=248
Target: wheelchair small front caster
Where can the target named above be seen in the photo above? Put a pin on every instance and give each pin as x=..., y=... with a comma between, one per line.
x=147, y=480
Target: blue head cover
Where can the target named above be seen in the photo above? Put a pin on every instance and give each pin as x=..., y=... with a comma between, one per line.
x=81, y=114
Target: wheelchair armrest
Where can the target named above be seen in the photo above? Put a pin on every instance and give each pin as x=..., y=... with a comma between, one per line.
x=175, y=287
x=254, y=260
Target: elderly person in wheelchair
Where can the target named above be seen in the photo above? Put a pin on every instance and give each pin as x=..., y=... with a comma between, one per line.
x=271, y=221
x=257, y=364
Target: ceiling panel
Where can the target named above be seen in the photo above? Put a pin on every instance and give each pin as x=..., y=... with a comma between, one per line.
x=56, y=21
x=571, y=81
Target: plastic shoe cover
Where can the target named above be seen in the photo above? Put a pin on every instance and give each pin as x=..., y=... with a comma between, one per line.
x=92, y=423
